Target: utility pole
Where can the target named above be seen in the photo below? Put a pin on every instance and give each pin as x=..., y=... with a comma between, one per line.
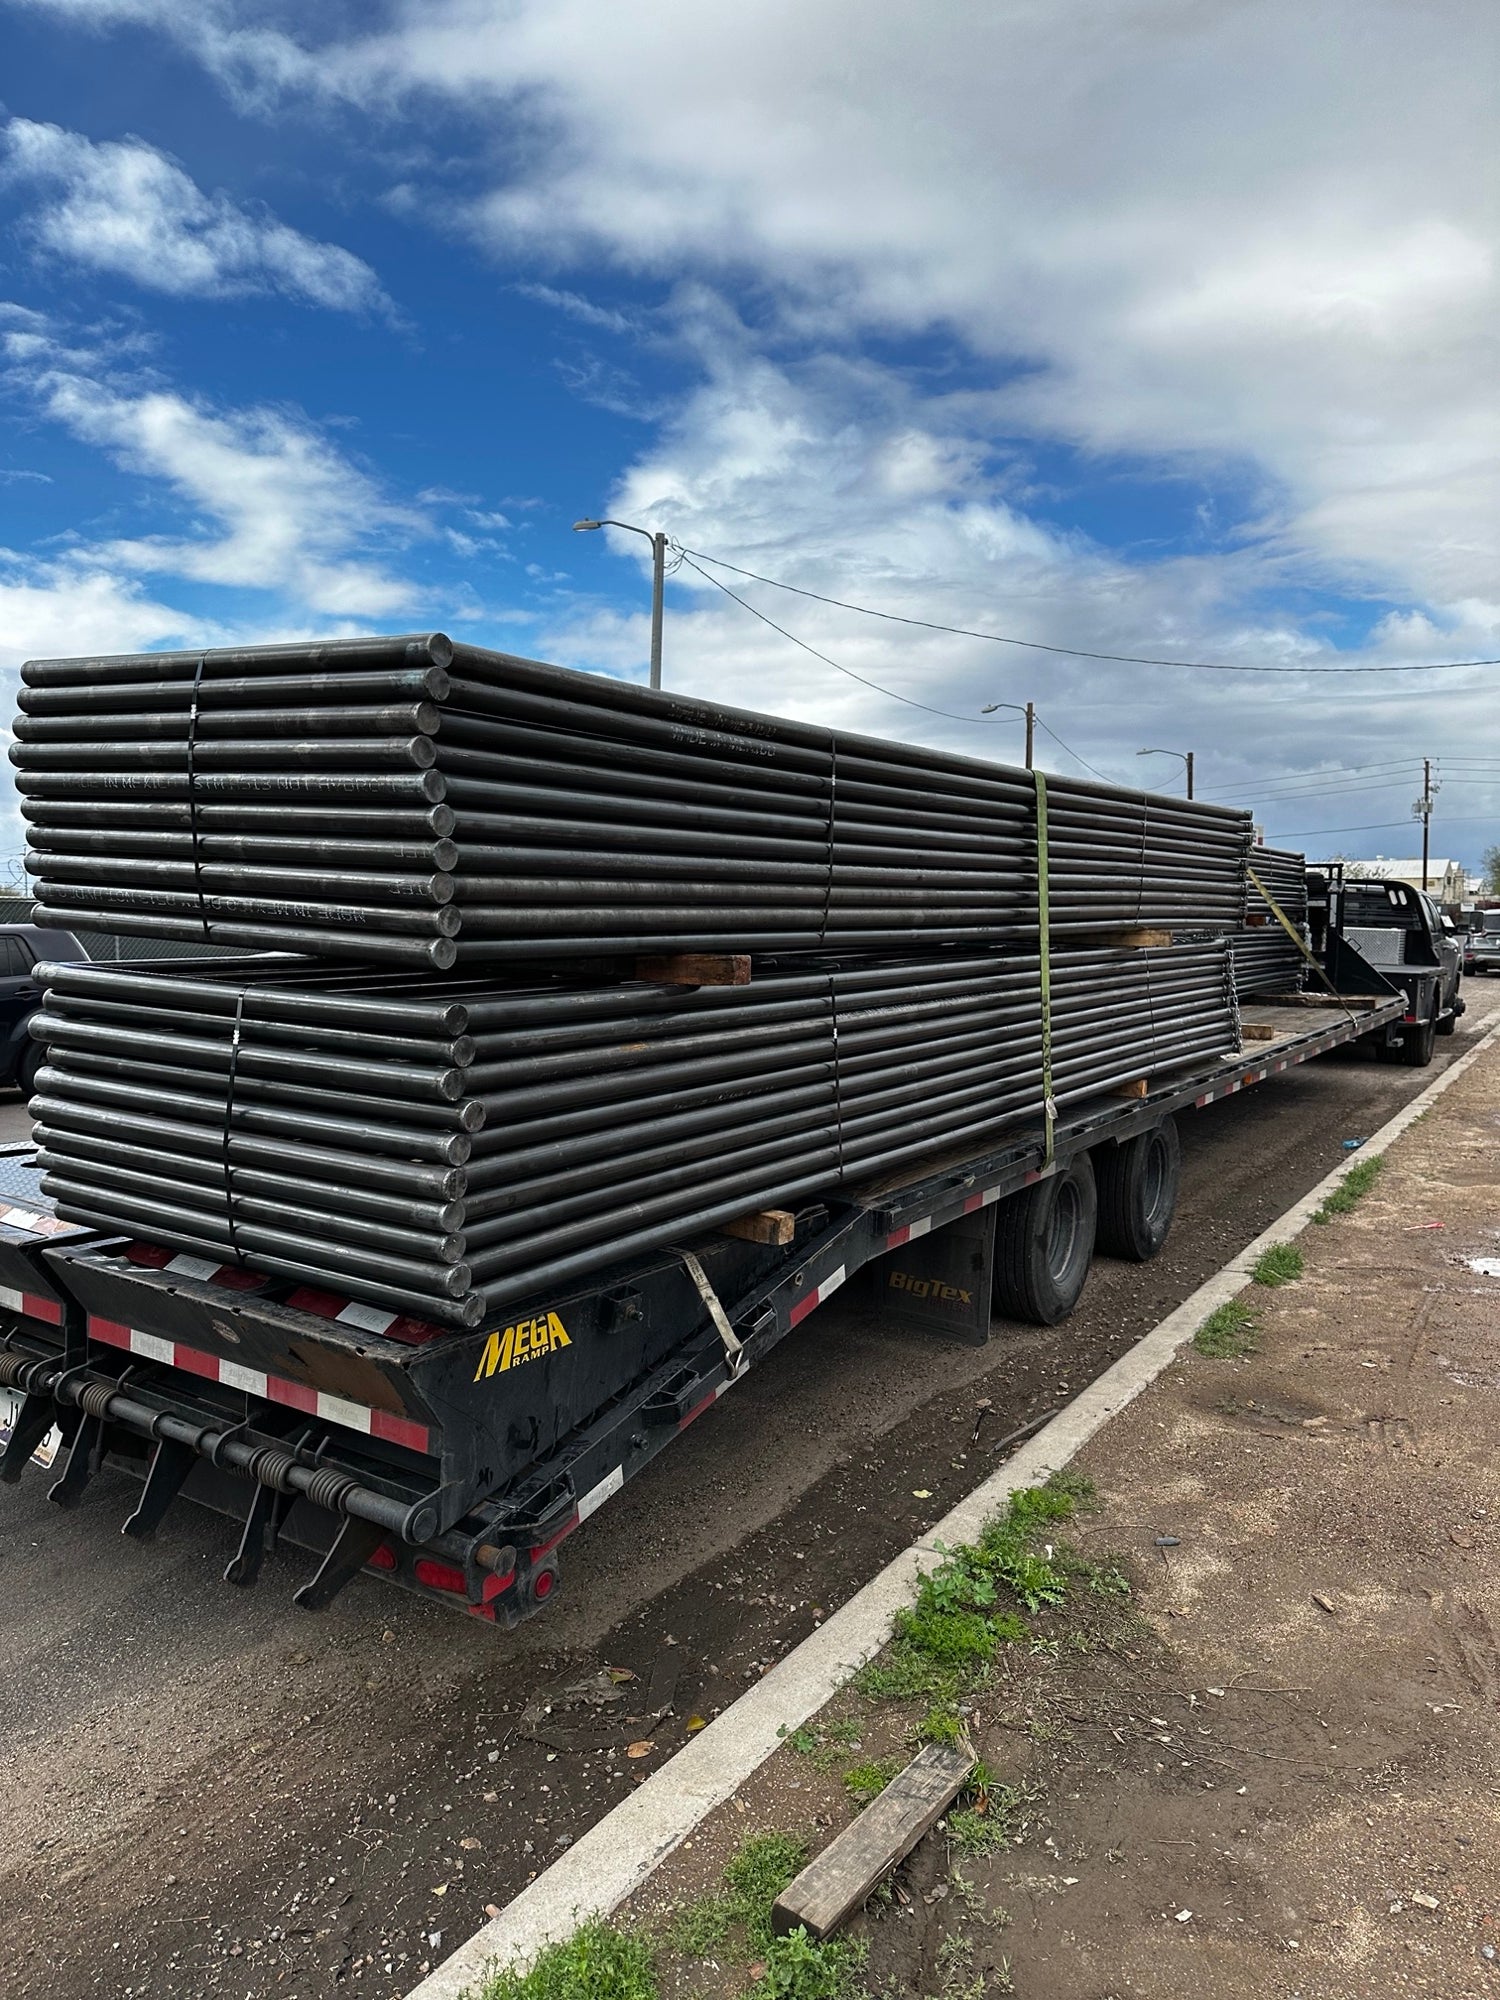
x=1029, y=711
x=658, y=543
x=1184, y=757
x=1422, y=807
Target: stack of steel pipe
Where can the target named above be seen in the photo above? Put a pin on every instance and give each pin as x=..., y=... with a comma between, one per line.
x=1266, y=960
x=449, y=1148
x=410, y=801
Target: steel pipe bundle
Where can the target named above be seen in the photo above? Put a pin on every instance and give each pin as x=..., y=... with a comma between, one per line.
x=1265, y=958
x=409, y=801
x=449, y=1148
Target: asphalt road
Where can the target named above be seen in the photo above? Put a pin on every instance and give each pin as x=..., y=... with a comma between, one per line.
x=209, y=1792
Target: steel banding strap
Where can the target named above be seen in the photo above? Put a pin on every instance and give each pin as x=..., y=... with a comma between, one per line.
x=1140, y=880
x=234, y=1064
x=833, y=793
x=838, y=1079
x=192, y=790
x=1300, y=942
x=733, y=1348
x=1044, y=931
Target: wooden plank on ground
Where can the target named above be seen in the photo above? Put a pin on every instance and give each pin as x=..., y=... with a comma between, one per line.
x=767, y=1225
x=836, y=1882
x=696, y=968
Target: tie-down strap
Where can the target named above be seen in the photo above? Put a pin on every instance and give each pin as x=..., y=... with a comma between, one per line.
x=734, y=1350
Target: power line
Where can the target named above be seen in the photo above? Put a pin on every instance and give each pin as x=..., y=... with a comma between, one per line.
x=1074, y=754
x=890, y=692
x=1333, y=774
x=745, y=605
x=1384, y=825
x=1036, y=645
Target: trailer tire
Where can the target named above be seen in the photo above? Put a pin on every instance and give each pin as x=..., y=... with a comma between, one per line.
x=1137, y=1184
x=1044, y=1243
x=1449, y=1022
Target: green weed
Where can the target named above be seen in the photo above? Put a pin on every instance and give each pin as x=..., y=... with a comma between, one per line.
x=753, y=1879
x=975, y=1601
x=991, y=1822
x=597, y=1963
x=867, y=1781
x=941, y=1724
x=825, y=1742
x=798, y=1967
x=1228, y=1334
x=1280, y=1265
x=1352, y=1189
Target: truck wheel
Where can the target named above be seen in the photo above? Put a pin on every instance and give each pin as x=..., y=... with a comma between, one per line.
x=1417, y=1045
x=1137, y=1185
x=1044, y=1241
x=31, y=1061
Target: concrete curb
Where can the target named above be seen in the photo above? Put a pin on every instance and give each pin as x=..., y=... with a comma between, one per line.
x=609, y=1862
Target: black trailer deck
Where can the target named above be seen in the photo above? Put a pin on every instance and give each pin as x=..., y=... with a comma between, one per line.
x=456, y=1461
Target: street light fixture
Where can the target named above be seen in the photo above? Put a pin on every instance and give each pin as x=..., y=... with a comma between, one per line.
x=1185, y=755
x=1028, y=709
x=658, y=580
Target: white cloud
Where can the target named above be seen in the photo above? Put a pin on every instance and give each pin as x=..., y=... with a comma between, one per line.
x=125, y=208
x=838, y=477
x=74, y=605
x=289, y=508
x=269, y=503
x=1247, y=244
x=1251, y=233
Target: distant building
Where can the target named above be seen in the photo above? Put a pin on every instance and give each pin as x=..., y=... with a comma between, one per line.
x=1446, y=880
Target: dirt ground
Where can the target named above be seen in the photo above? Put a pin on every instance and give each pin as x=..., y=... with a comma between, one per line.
x=1275, y=1779
x=210, y=1793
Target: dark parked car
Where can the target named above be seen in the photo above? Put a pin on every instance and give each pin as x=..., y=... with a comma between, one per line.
x=22, y=946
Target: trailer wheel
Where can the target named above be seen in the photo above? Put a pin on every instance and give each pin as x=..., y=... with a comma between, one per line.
x=1044, y=1242
x=1448, y=1024
x=1137, y=1184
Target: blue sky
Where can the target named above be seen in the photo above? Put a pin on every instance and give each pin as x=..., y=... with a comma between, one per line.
x=1126, y=327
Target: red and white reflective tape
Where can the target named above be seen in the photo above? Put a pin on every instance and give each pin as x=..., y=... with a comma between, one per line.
x=34, y=1224
x=826, y=1290
x=972, y=1203
x=256, y=1382
x=369, y=1319
x=596, y=1496
x=31, y=1305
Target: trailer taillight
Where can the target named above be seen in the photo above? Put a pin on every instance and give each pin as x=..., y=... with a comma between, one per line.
x=439, y=1575
x=383, y=1558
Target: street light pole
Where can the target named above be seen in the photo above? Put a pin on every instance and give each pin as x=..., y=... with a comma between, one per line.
x=1186, y=757
x=658, y=543
x=1029, y=711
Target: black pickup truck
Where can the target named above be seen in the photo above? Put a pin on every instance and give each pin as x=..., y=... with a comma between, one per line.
x=1388, y=936
x=22, y=948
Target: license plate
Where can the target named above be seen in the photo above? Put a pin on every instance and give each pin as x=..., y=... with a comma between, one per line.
x=10, y=1409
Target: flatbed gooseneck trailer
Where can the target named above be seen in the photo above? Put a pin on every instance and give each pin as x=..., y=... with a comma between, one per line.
x=455, y=1460
x=585, y=1040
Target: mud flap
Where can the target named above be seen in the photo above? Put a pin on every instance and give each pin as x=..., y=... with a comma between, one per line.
x=941, y=1282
